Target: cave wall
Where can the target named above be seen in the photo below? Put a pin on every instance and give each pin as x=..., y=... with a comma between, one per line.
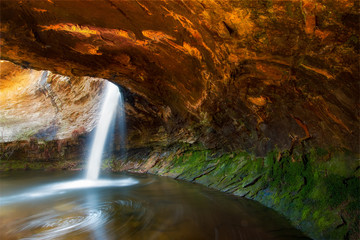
x=256, y=98
x=251, y=75
x=50, y=117
x=318, y=190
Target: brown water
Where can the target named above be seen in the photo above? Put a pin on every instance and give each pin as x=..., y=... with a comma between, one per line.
x=55, y=205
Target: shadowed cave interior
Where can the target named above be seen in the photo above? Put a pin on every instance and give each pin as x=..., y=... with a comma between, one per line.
x=257, y=99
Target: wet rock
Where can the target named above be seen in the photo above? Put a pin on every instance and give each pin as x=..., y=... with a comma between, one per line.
x=213, y=72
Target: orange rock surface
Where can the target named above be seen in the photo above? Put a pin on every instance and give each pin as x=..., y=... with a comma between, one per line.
x=230, y=74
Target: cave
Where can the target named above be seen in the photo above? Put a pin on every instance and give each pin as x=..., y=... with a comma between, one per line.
x=244, y=102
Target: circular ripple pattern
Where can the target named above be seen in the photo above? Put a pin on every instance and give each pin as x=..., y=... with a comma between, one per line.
x=134, y=208
x=89, y=217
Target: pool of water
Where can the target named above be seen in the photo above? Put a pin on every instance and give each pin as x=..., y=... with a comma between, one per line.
x=59, y=205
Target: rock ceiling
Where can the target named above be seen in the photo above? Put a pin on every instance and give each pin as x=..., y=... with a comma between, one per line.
x=236, y=74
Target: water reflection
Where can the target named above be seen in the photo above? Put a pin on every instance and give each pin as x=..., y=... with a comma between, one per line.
x=98, y=231
x=142, y=207
x=63, y=187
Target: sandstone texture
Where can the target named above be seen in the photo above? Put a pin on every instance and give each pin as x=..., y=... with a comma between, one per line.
x=230, y=74
x=46, y=106
x=258, y=98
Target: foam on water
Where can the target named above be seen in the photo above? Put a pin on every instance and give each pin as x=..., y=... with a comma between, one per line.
x=111, y=101
x=63, y=187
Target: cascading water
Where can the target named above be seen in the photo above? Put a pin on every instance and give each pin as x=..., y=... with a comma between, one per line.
x=84, y=209
x=90, y=215
x=112, y=100
x=107, y=114
x=122, y=126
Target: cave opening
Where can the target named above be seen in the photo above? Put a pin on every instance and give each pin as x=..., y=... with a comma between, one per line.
x=66, y=205
x=258, y=101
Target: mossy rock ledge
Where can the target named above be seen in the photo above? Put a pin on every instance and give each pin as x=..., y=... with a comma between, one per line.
x=316, y=189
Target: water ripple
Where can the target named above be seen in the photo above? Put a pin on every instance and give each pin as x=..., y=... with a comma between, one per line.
x=90, y=216
x=63, y=187
x=53, y=225
x=152, y=209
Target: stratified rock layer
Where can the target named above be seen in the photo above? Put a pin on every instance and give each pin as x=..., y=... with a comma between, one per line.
x=46, y=106
x=230, y=74
x=275, y=78
x=318, y=190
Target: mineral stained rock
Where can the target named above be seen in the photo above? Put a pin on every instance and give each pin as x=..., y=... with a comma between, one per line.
x=46, y=106
x=259, y=94
x=242, y=74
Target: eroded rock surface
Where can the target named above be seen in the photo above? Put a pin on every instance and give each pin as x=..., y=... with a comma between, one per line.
x=46, y=106
x=275, y=78
x=230, y=74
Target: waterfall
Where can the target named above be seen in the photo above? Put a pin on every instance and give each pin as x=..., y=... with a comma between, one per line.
x=107, y=113
x=122, y=126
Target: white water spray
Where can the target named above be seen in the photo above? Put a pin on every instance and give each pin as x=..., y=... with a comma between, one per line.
x=107, y=114
x=122, y=126
x=112, y=100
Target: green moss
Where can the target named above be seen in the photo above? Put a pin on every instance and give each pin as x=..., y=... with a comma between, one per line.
x=9, y=165
x=315, y=189
x=337, y=190
x=20, y=165
x=306, y=212
x=353, y=187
